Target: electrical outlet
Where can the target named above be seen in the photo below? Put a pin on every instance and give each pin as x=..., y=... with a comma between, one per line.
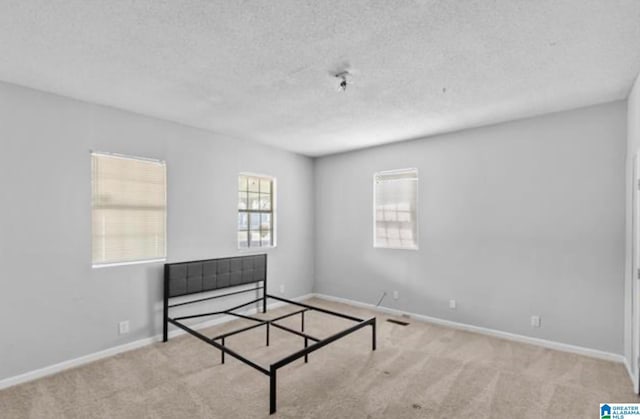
x=535, y=321
x=281, y=288
x=396, y=295
x=452, y=304
x=123, y=327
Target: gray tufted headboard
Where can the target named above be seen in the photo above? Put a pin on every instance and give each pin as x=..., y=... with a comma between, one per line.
x=184, y=278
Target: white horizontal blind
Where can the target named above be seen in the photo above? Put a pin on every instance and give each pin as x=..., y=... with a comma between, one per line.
x=129, y=206
x=395, y=209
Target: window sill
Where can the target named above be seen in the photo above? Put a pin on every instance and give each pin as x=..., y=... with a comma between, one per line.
x=133, y=262
x=256, y=249
x=396, y=248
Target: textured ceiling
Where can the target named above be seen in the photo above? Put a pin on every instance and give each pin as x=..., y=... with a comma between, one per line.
x=260, y=69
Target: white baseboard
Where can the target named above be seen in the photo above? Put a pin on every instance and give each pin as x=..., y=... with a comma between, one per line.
x=632, y=376
x=76, y=362
x=593, y=353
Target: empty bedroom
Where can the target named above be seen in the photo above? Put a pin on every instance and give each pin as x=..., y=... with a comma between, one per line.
x=320, y=209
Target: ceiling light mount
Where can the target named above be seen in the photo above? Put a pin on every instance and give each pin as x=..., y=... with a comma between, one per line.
x=343, y=76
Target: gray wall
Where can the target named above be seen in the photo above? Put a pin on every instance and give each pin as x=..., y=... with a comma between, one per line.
x=53, y=305
x=633, y=147
x=515, y=219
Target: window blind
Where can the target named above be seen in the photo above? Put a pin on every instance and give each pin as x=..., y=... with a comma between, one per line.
x=395, y=209
x=128, y=209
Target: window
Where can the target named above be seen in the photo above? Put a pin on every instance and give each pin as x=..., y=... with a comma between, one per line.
x=395, y=209
x=128, y=209
x=256, y=223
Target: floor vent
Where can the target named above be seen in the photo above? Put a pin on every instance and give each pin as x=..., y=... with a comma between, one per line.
x=400, y=322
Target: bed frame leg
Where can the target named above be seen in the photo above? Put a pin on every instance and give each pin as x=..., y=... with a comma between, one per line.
x=264, y=287
x=222, y=352
x=165, y=308
x=272, y=391
x=373, y=335
x=267, y=334
x=306, y=356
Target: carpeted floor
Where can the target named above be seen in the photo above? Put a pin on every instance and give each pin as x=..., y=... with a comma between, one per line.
x=418, y=371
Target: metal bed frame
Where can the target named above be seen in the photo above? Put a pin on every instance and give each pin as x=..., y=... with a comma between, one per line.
x=256, y=264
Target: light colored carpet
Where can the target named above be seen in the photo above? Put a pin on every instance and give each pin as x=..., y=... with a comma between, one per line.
x=418, y=371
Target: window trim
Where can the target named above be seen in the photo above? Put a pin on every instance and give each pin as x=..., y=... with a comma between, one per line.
x=166, y=210
x=133, y=262
x=374, y=214
x=274, y=217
